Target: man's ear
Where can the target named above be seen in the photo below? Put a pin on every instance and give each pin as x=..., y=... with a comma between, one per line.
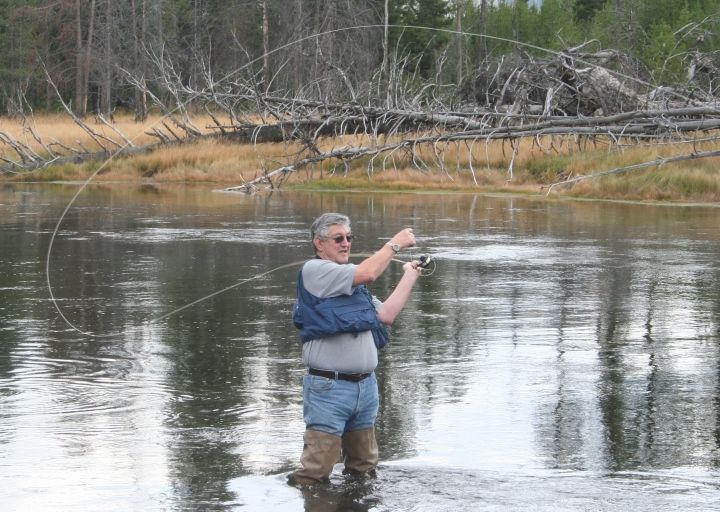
x=316, y=244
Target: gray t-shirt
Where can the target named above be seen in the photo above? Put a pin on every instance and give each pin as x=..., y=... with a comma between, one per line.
x=345, y=352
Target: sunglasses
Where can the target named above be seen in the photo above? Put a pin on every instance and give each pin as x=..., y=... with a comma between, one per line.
x=339, y=238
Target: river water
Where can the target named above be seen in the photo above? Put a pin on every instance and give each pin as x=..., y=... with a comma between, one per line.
x=563, y=355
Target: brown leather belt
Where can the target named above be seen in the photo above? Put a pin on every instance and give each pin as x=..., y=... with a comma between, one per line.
x=352, y=377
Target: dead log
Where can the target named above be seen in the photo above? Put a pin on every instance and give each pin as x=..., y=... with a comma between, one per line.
x=573, y=93
x=643, y=165
x=12, y=167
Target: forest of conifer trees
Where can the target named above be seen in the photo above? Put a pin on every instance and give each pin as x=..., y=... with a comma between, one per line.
x=88, y=49
x=404, y=77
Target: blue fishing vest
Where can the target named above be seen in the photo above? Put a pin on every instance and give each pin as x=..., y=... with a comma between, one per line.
x=320, y=318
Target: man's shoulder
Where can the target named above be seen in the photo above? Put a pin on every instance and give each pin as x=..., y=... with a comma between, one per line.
x=317, y=262
x=324, y=278
x=320, y=266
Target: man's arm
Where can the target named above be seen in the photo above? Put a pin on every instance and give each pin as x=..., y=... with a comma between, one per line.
x=399, y=297
x=371, y=268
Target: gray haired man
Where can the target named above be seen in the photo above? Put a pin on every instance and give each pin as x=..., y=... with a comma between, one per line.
x=341, y=328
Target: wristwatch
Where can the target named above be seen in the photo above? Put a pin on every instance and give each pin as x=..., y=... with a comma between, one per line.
x=395, y=247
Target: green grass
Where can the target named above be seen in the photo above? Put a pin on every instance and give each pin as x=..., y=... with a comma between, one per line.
x=549, y=169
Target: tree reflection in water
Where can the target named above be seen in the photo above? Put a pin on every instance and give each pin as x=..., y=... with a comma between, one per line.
x=565, y=348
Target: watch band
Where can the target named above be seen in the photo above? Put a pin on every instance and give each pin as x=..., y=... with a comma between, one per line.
x=394, y=247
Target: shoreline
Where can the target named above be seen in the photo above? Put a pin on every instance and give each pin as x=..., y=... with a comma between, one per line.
x=630, y=174
x=508, y=191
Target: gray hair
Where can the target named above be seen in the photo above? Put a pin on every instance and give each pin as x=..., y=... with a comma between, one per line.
x=321, y=226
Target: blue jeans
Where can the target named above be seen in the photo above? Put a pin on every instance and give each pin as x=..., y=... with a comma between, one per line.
x=339, y=406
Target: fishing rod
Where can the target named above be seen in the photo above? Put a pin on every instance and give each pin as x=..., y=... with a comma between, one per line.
x=424, y=262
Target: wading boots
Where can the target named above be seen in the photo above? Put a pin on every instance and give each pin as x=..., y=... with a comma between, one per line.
x=320, y=453
x=360, y=452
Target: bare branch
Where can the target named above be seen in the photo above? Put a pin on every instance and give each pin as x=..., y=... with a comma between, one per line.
x=654, y=163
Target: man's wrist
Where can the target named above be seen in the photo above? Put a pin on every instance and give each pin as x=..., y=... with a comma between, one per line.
x=394, y=246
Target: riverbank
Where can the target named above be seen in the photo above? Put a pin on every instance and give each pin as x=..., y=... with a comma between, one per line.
x=678, y=185
x=531, y=169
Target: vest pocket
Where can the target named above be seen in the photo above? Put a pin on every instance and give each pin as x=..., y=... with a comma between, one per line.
x=355, y=317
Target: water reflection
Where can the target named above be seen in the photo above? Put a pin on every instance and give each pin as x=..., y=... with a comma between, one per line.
x=570, y=343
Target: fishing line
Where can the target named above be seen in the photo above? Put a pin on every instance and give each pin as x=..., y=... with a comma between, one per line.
x=263, y=274
x=181, y=308
x=424, y=260
x=227, y=77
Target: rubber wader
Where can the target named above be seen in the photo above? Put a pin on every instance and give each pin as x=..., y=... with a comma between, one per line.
x=360, y=451
x=320, y=453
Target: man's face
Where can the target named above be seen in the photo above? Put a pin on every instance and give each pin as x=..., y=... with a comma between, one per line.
x=336, y=247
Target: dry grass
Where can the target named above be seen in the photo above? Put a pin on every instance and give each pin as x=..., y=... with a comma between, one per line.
x=206, y=160
x=59, y=127
x=690, y=183
x=536, y=163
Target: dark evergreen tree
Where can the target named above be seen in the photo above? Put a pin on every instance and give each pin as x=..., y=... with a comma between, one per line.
x=336, y=43
x=19, y=39
x=584, y=10
x=420, y=30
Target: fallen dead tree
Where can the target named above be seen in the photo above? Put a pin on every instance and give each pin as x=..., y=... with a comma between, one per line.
x=575, y=94
x=658, y=162
x=480, y=126
x=650, y=127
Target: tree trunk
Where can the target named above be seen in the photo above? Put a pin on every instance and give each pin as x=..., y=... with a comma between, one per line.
x=331, y=23
x=138, y=45
x=79, y=61
x=516, y=26
x=623, y=25
x=386, y=38
x=88, y=55
x=298, y=61
x=482, y=29
x=265, y=44
x=143, y=60
x=194, y=73
x=83, y=57
x=106, y=82
x=49, y=94
x=459, y=5
x=317, y=22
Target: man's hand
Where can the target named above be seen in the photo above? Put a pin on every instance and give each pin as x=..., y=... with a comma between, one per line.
x=412, y=266
x=404, y=238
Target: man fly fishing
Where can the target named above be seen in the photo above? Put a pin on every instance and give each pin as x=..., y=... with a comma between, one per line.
x=342, y=327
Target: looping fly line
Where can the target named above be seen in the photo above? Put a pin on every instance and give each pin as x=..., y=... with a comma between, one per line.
x=221, y=80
